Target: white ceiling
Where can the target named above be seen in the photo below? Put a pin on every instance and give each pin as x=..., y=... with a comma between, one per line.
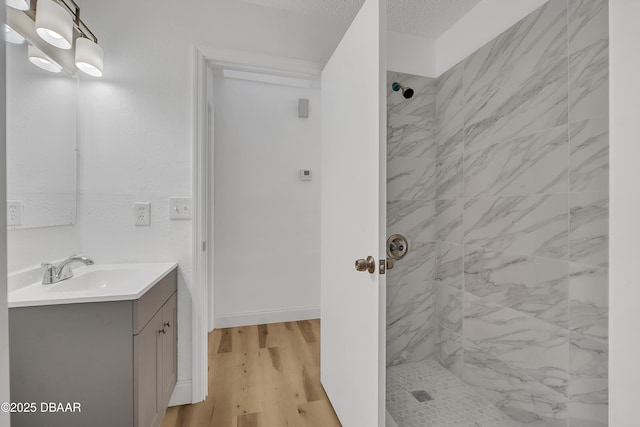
x=425, y=18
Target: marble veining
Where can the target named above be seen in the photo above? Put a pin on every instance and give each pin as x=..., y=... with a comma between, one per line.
x=589, y=82
x=449, y=220
x=522, y=398
x=589, y=301
x=449, y=308
x=417, y=266
x=449, y=177
x=588, y=23
x=517, y=84
x=411, y=136
x=590, y=228
x=449, y=112
x=537, y=348
x=415, y=219
x=410, y=320
x=449, y=264
x=588, y=387
x=449, y=350
x=535, y=286
x=589, y=157
x=410, y=178
x=533, y=164
x=533, y=225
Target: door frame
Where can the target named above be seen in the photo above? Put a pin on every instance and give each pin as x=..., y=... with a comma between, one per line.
x=203, y=313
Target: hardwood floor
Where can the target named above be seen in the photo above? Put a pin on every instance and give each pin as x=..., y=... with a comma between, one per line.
x=261, y=376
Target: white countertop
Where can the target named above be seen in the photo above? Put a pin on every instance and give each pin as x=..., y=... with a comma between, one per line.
x=94, y=283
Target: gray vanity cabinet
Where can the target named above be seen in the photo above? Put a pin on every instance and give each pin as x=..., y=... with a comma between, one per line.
x=117, y=359
x=169, y=345
x=155, y=365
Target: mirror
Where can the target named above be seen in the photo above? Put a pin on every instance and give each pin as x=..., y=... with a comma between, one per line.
x=41, y=144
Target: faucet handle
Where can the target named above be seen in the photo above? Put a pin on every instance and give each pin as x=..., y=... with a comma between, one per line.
x=49, y=273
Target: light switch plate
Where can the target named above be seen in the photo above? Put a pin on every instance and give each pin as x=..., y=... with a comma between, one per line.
x=180, y=208
x=142, y=213
x=15, y=212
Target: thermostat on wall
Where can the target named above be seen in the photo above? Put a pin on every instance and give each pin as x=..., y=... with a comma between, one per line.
x=305, y=174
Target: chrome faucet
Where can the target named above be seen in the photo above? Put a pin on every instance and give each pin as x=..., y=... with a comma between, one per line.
x=62, y=271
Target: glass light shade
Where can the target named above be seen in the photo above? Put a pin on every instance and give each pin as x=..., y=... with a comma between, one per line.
x=89, y=57
x=19, y=4
x=12, y=36
x=54, y=24
x=40, y=60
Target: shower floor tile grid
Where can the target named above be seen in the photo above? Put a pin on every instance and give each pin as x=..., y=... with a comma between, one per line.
x=453, y=403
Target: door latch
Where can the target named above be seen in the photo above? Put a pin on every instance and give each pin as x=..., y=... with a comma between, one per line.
x=385, y=264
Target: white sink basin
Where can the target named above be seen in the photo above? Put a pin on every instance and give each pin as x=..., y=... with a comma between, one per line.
x=95, y=280
x=94, y=283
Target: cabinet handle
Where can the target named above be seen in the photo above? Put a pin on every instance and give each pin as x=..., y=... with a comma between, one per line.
x=167, y=324
x=162, y=331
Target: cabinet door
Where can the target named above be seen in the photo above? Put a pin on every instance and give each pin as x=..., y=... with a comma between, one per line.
x=169, y=349
x=148, y=373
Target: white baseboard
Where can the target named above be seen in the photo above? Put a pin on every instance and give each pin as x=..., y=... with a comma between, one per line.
x=262, y=317
x=181, y=394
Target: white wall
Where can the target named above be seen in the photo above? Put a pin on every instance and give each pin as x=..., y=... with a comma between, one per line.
x=31, y=247
x=411, y=54
x=624, y=292
x=136, y=121
x=4, y=314
x=267, y=221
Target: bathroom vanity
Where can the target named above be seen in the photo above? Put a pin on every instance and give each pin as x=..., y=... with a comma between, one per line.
x=104, y=342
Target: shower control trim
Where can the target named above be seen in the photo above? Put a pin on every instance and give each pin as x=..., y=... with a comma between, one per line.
x=397, y=246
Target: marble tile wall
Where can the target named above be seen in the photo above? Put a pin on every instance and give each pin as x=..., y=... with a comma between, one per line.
x=411, y=211
x=521, y=217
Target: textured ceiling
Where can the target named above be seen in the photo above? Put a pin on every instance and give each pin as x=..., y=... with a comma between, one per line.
x=426, y=18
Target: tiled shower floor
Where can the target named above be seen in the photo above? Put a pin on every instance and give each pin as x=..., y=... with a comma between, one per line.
x=454, y=404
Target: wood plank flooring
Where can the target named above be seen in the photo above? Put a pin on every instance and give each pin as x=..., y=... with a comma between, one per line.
x=261, y=376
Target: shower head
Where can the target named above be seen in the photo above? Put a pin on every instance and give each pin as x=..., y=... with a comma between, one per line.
x=407, y=92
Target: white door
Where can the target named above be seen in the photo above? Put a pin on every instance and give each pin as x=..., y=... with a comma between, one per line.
x=354, y=220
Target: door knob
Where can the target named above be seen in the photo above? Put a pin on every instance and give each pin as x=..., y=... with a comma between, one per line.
x=368, y=264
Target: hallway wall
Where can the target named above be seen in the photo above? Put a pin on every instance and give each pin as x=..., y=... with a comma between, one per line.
x=522, y=217
x=262, y=210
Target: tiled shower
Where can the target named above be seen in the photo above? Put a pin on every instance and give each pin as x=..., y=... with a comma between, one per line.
x=498, y=176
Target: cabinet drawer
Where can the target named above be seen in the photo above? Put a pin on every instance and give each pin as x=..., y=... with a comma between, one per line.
x=152, y=301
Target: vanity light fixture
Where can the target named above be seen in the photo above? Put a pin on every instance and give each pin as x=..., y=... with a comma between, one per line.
x=12, y=36
x=19, y=4
x=54, y=24
x=70, y=44
x=40, y=60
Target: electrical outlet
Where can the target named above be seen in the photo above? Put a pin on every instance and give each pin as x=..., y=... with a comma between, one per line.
x=15, y=212
x=180, y=207
x=142, y=213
